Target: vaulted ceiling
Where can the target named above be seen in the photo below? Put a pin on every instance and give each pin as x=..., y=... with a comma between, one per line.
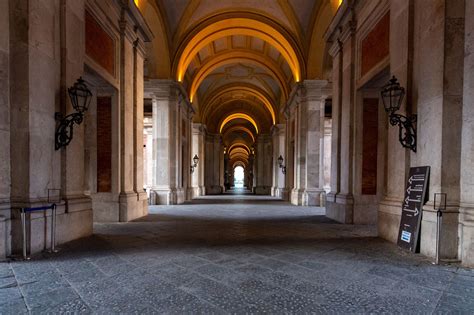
x=237, y=59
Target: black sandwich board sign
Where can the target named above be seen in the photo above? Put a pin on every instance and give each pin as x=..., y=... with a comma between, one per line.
x=415, y=195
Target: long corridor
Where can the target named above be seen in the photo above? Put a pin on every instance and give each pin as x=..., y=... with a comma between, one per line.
x=237, y=254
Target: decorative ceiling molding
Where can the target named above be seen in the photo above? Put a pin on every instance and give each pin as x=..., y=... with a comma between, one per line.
x=237, y=26
x=238, y=57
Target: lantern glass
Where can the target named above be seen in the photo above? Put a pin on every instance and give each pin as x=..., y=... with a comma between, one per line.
x=392, y=95
x=280, y=160
x=80, y=96
x=195, y=159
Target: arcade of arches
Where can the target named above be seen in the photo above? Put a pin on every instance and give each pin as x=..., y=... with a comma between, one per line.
x=237, y=84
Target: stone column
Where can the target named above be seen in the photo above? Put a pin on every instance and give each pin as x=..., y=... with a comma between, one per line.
x=251, y=172
x=5, y=179
x=52, y=66
x=335, y=181
x=466, y=217
x=213, y=164
x=397, y=158
x=263, y=165
x=198, y=147
x=439, y=102
x=309, y=135
x=166, y=140
x=340, y=204
x=148, y=133
x=141, y=208
x=279, y=188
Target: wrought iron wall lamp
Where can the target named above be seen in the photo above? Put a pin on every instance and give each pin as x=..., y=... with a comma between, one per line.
x=280, y=164
x=195, y=163
x=81, y=97
x=392, y=97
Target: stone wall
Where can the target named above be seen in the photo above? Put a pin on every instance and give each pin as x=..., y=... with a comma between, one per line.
x=5, y=180
x=42, y=53
x=427, y=41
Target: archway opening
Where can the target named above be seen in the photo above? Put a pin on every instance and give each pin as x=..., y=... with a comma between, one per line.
x=239, y=177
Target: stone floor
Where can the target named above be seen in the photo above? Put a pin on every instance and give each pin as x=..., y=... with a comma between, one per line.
x=233, y=254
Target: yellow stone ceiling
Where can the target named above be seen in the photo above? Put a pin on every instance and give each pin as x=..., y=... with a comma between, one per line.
x=237, y=59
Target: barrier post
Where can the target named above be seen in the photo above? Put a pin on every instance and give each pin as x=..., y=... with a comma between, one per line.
x=53, y=228
x=23, y=232
x=439, y=205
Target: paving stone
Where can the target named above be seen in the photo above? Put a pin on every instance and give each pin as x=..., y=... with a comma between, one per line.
x=204, y=258
x=216, y=272
x=51, y=299
x=455, y=304
x=184, y=303
x=13, y=307
x=292, y=303
x=9, y=294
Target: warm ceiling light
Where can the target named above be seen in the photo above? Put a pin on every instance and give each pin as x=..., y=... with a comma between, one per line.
x=238, y=116
x=238, y=26
x=239, y=144
x=241, y=128
x=248, y=90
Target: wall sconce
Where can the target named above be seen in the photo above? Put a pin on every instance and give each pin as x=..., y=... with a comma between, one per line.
x=280, y=164
x=195, y=163
x=81, y=97
x=392, y=97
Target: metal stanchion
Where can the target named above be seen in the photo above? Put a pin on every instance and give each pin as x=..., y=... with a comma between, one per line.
x=53, y=229
x=23, y=212
x=439, y=216
x=23, y=232
x=439, y=205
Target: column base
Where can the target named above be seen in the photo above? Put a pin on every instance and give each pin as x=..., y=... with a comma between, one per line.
x=466, y=231
x=214, y=190
x=73, y=224
x=197, y=191
x=340, y=208
x=296, y=197
x=131, y=206
x=262, y=190
x=388, y=219
x=313, y=197
x=166, y=196
x=449, y=232
x=281, y=193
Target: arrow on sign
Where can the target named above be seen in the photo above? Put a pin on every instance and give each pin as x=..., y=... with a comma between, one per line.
x=415, y=179
x=415, y=212
x=407, y=200
x=409, y=190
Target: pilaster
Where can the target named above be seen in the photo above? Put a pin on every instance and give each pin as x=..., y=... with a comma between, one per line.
x=167, y=140
x=198, y=148
x=310, y=102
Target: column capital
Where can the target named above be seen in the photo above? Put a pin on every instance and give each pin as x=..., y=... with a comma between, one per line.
x=315, y=90
x=278, y=129
x=199, y=129
x=164, y=89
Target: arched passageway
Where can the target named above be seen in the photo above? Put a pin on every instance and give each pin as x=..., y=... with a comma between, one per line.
x=236, y=156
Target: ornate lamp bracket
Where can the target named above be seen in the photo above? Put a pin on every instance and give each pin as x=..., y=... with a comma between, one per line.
x=392, y=96
x=80, y=96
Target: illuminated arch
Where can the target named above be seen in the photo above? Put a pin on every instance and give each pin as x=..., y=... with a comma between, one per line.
x=239, y=155
x=253, y=91
x=241, y=145
x=240, y=128
x=238, y=116
x=231, y=57
x=238, y=26
x=238, y=151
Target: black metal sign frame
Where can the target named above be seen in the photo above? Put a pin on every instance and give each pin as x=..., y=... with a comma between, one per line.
x=415, y=198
